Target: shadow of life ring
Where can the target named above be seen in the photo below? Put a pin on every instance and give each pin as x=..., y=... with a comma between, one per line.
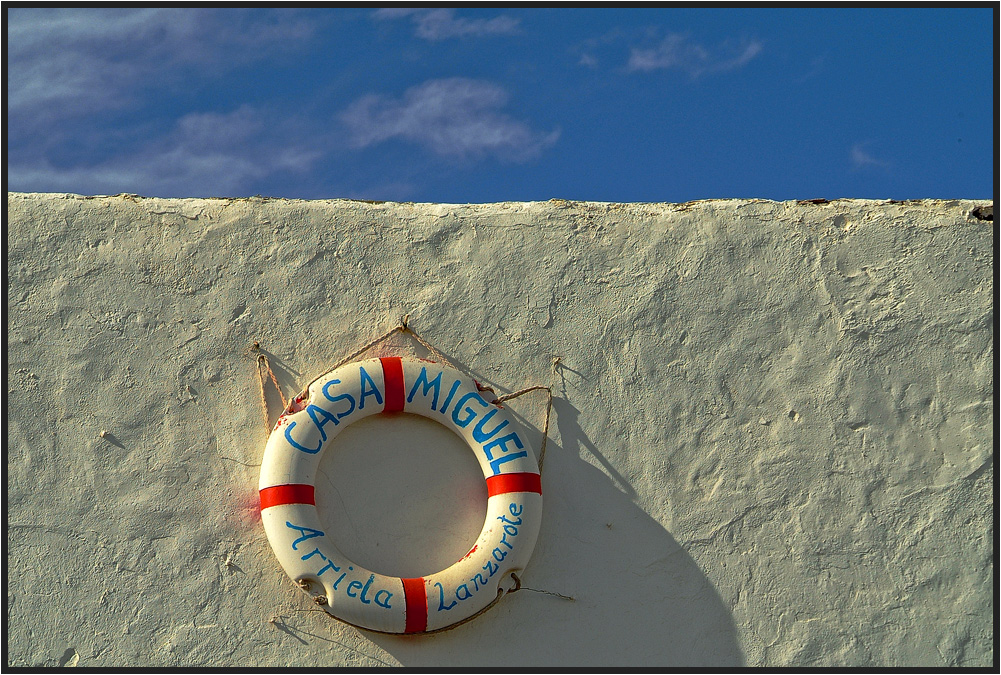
x=364, y=598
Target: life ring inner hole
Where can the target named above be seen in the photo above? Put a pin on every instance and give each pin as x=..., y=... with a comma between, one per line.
x=402, y=495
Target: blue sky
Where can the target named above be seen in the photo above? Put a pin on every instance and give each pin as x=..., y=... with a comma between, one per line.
x=515, y=103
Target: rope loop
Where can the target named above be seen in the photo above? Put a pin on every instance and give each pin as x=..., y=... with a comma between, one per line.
x=262, y=358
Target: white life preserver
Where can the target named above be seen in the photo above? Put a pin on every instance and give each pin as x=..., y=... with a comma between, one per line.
x=374, y=601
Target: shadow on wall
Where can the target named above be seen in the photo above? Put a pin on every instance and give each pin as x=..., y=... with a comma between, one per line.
x=640, y=599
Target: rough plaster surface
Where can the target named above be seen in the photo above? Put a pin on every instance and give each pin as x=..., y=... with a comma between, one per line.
x=772, y=440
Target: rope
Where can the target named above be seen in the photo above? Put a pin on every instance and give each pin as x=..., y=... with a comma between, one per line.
x=519, y=587
x=261, y=358
x=427, y=345
x=404, y=327
x=549, y=409
x=364, y=349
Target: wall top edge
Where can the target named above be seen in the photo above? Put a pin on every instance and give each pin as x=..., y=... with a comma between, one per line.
x=258, y=199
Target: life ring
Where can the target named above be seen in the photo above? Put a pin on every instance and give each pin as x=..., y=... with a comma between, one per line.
x=364, y=598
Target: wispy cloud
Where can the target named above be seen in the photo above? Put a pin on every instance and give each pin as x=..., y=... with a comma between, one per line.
x=677, y=52
x=442, y=24
x=457, y=117
x=595, y=51
x=83, y=87
x=70, y=62
x=811, y=69
x=861, y=158
x=206, y=154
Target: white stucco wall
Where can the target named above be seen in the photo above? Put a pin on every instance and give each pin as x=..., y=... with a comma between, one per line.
x=772, y=440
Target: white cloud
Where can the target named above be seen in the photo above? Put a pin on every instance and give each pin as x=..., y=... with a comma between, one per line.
x=69, y=62
x=442, y=24
x=677, y=52
x=454, y=117
x=861, y=157
x=207, y=154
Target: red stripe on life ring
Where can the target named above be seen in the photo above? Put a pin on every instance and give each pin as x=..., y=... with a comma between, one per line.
x=293, y=493
x=417, y=605
x=514, y=482
x=392, y=372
